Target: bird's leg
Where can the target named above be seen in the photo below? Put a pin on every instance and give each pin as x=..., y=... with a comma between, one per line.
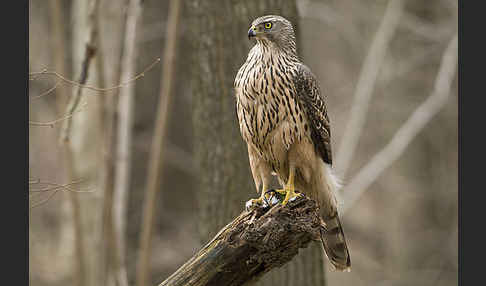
x=289, y=189
x=262, y=196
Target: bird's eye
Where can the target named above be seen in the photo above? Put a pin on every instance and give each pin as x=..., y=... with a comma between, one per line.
x=268, y=25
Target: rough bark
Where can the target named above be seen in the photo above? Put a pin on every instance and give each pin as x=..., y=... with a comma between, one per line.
x=254, y=243
x=217, y=31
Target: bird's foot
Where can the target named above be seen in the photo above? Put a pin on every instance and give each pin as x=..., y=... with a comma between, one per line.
x=253, y=203
x=258, y=201
x=290, y=194
x=265, y=200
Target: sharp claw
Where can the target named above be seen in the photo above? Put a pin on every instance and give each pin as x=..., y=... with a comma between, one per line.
x=271, y=191
x=265, y=200
x=272, y=199
x=291, y=196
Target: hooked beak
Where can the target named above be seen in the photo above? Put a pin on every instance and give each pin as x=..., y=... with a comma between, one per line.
x=251, y=32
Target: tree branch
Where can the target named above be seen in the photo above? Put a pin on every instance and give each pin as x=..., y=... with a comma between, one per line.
x=53, y=122
x=254, y=243
x=89, y=54
x=409, y=130
x=53, y=188
x=366, y=82
x=34, y=75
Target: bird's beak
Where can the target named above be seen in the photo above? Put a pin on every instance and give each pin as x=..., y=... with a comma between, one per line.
x=252, y=32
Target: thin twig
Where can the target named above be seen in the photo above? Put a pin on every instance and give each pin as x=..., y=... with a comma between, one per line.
x=53, y=122
x=55, y=189
x=158, y=143
x=366, y=82
x=55, y=185
x=46, y=92
x=100, y=89
x=409, y=130
x=44, y=201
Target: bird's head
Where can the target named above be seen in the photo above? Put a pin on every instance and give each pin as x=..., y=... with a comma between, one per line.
x=274, y=29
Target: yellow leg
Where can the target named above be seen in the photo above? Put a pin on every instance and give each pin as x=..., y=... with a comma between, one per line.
x=257, y=201
x=289, y=189
x=262, y=196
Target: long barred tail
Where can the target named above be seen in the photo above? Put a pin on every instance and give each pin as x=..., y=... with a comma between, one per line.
x=332, y=235
x=334, y=243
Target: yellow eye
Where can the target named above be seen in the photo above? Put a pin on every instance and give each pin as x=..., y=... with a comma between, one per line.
x=268, y=25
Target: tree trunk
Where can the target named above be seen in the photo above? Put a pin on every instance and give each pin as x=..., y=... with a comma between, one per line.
x=217, y=38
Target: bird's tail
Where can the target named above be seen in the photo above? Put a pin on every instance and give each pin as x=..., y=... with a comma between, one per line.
x=334, y=244
x=332, y=235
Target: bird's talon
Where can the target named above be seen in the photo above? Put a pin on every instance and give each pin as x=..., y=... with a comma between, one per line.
x=270, y=198
x=271, y=191
x=290, y=195
x=295, y=197
x=281, y=191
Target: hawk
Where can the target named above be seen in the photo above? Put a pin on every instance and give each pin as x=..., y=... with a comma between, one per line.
x=283, y=119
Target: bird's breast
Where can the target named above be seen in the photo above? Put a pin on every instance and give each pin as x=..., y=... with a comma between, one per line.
x=270, y=116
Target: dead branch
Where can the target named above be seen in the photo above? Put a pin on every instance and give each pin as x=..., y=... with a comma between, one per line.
x=34, y=76
x=253, y=244
x=53, y=122
x=38, y=187
x=366, y=82
x=80, y=85
x=47, y=92
x=409, y=130
x=37, y=183
x=89, y=53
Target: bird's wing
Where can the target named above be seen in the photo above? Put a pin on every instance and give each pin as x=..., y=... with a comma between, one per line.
x=313, y=102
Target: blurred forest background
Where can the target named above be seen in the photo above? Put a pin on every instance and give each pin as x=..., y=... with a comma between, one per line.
x=135, y=157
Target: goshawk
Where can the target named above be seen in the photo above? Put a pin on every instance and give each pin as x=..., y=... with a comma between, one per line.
x=283, y=119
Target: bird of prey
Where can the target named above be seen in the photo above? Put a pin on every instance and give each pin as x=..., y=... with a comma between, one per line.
x=283, y=119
